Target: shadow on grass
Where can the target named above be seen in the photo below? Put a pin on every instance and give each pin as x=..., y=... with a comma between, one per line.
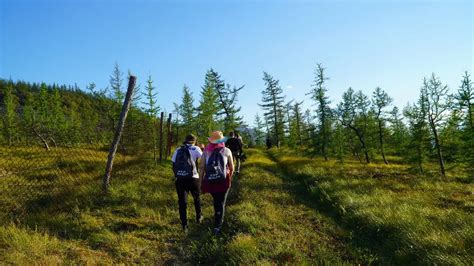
x=55, y=201
x=364, y=238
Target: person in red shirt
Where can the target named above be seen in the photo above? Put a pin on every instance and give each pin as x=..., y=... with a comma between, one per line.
x=216, y=170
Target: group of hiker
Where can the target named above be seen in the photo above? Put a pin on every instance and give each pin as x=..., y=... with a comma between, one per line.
x=206, y=169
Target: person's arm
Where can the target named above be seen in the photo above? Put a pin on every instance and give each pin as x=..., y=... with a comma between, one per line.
x=173, y=158
x=202, y=164
x=241, y=146
x=230, y=163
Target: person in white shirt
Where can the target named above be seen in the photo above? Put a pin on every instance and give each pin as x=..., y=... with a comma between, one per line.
x=187, y=178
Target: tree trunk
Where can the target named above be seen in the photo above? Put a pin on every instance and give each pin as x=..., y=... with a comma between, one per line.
x=420, y=159
x=45, y=143
x=169, y=135
x=362, y=142
x=154, y=139
x=118, y=133
x=298, y=128
x=52, y=140
x=469, y=109
x=438, y=149
x=323, y=132
x=161, y=136
x=275, y=124
x=323, y=150
x=381, y=142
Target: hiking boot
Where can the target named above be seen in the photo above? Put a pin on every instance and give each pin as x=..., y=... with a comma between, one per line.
x=200, y=219
x=217, y=231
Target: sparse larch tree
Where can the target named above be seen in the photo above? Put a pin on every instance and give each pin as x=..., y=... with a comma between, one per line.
x=187, y=111
x=209, y=107
x=380, y=100
x=323, y=111
x=258, y=131
x=437, y=102
x=353, y=114
x=465, y=97
x=273, y=105
x=152, y=110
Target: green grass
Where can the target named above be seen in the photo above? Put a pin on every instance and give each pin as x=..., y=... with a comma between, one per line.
x=399, y=217
x=283, y=209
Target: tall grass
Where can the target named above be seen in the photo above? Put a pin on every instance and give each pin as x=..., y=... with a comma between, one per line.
x=401, y=217
x=283, y=209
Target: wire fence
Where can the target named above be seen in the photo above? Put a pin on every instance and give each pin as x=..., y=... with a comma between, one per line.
x=36, y=180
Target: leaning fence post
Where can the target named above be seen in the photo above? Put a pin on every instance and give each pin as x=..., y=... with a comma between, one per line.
x=118, y=133
x=169, y=135
x=161, y=136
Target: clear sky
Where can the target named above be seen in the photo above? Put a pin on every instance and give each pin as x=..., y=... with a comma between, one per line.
x=363, y=44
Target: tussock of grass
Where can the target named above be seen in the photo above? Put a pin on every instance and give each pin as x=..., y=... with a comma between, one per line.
x=399, y=216
x=25, y=246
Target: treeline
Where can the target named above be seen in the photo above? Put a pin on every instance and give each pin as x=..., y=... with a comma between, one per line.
x=438, y=127
x=59, y=115
x=217, y=108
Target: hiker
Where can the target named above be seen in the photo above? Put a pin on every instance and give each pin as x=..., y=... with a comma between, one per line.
x=234, y=143
x=187, y=178
x=216, y=169
x=237, y=135
x=269, y=142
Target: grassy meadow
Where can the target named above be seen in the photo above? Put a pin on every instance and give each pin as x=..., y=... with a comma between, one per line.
x=397, y=216
x=283, y=209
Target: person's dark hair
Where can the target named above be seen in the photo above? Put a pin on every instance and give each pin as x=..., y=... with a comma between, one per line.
x=231, y=134
x=190, y=139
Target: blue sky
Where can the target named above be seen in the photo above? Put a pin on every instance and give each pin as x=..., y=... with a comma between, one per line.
x=363, y=44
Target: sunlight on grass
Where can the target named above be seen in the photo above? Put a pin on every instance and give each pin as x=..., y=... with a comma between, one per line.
x=429, y=219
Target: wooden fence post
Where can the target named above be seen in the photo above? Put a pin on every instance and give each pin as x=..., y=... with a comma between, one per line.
x=170, y=136
x=118, y=133
x=161, y=136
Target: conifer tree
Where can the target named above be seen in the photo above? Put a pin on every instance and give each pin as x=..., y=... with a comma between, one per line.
x=418, y=144
x=227, y=100
x=353, y=114
x=9, y=115
x=209, y=107
x=398, y=131
x=272, y=104
x=437, y=102
x=116, y=94
x=380, y=100
x=339, y=142
x=187, y=111
x=465, y=97
x=259, y=133
x=323, y=111
x=56, y=117
x=38, y=116
x=116, y=80
x=298, y=123
x=152, y=110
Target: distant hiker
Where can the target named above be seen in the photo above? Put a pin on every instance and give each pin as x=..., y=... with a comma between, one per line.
x=269, y=142
x=187, y=178
x=237, y=135
x=235, y=146
x=216, y=169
